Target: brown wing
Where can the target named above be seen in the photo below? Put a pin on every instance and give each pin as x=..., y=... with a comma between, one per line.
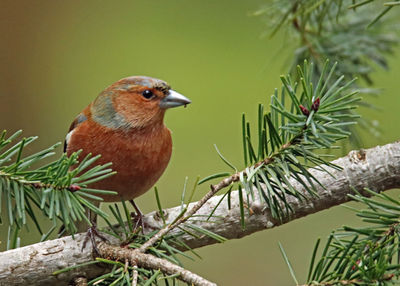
x=78, y=120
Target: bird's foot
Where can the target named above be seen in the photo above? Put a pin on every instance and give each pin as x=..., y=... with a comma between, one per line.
x=91, y=234
x=137, y=217
x=137, y=220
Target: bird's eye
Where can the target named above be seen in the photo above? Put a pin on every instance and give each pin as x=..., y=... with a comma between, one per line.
x=147, y=94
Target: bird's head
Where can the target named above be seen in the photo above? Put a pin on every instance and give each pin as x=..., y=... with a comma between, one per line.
x=135, y=102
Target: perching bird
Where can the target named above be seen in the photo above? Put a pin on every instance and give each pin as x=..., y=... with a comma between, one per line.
x=125, y=125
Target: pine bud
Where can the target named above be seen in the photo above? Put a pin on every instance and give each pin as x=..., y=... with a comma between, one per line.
x=315, y=105
x=358, y=263
x=74, y=188
x=304, y=110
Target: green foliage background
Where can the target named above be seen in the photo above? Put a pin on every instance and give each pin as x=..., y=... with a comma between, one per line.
x=56, y=56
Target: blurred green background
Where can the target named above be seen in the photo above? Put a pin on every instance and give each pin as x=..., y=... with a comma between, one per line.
x=56, y=56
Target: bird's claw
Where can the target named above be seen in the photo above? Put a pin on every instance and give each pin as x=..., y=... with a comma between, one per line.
x=91, y=234
x=137, y=219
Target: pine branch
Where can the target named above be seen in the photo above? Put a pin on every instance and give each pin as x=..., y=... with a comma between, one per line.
x=57, y=188
x=367, y=255
x=337, y=30
x=148, y=261
x=187, y=215
x=378, y=167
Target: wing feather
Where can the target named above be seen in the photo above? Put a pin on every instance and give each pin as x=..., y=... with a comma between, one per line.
x=78, y=120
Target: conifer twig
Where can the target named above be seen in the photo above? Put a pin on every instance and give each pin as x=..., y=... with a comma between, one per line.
x=149, y=261
x=213, y=190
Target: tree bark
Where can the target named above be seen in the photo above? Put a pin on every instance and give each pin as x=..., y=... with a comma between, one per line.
x=377, y=168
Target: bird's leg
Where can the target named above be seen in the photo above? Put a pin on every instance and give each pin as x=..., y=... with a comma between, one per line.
x=138, y=218
x=92, y=232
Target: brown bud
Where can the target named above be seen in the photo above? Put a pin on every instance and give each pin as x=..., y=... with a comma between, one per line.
x=357, y=263
x=304, y=110
x=315, y=105
x=74, y=188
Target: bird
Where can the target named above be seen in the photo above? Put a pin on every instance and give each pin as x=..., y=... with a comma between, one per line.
x=125, y=125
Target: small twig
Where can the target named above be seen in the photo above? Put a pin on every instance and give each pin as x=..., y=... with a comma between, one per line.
x=38, y=185
x=214, y=189
x=303, y=33
x=149, y=261
x=80, y=281
x=135, y=276
x=126, y=265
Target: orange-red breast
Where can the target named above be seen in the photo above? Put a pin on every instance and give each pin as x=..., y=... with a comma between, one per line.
x=125, y=125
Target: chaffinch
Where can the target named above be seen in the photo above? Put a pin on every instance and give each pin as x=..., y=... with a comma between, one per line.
x=125, y=125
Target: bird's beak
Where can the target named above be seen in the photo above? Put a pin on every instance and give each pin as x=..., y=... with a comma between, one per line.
x=174, y=99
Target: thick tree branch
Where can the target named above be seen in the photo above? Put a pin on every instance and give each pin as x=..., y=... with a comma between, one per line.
x=377, y=168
